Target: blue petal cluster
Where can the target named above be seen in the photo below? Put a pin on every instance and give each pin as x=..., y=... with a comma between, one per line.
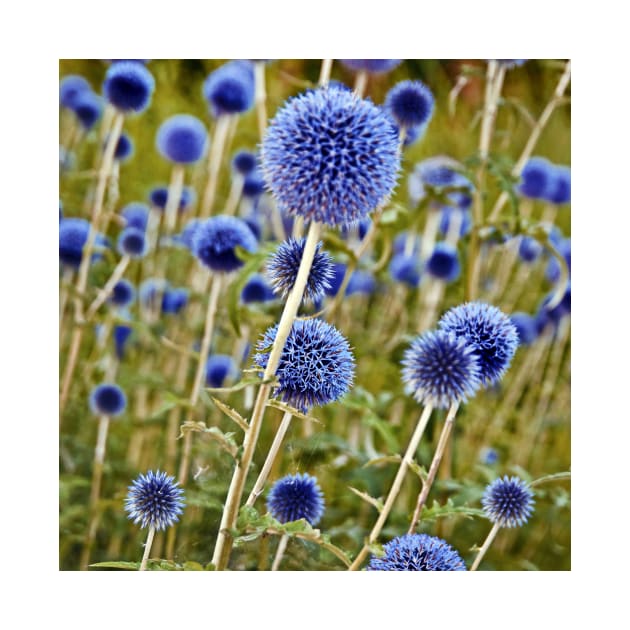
x=282, y=269
x=489, y=331
x=182, y=139
x=215, y=239
x=70, y=87
x=316, y=366
x=230, y=88
x=244, y=162
x=107, y=399
x=128, y=86
x=256, y=290
x=535, y=178
x=525, y=326
x=559, y=189
x=174, y=300
x=73, y=234
x=158, y=197
x=417, y=552
x=405, y=269
x=132, y=242
x=136, y=215
x=218, y=368
x=440, y=369
x=410, y=103
x=123, y=294
x=154, y=500
x=444, y=262
x=88, y=108
x=331, y=157
x=294, y=497
x=508, y=501
x=373, y=66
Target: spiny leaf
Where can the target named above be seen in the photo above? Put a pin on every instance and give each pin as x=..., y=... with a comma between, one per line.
x=366, y=497
x=225, y=440
x=127, y=566
x=278, y=404
x=449, y=509
x=231, y=413
x=385, y=459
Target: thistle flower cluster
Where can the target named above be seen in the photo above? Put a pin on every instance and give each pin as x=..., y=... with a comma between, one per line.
x=294, y=497
x=540, y=179
x=508, y=501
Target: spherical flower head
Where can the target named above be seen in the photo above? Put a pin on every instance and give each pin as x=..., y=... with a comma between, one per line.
x=136, y=215
x=174, y=300
x=339, y=271
x=253, y=185
x=444, y=262
x=220, y=367
x=372, y=66
x=216, y=238
x=488, y=456
x=316, y=366
x=244, y=162
x=124, y=148
x=508, y=501
x=121, y=336
x=417, y=552
x=330, y=156
x=70, y=87
x=525, y=326
x=529, y=249
x=188, y=232
x=282, y=269
x=132, y=242
x=535, y=178
x=489, y=331
x=559, y=190
x=128, y=86
x=107, y=399
x=182, y=139
x=361, y=282
x=73, y=234
x=410, y=103
x=154, y=500
x=256, y=290
x=158, y=197
x=440, y=369
x=294, y=497
x=123, y=294
x=405, y=269
x=88, y=108
x=230, y=88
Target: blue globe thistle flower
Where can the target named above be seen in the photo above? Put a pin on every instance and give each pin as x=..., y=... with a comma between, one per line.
x=294, y=497
x=88, y=108
x=372, y=66
x=338, y=273
x=508, y=501
x=253, y=185
x=154, y=500
x=489, y=331
x=316, y=366
x=559, y=189
x=121, y=336
x=282, y=269
x=440, y=369
x=182, y=139
x=174, y=300
x=410, y=103
x=220, y=367
x=417, y=552
x=331, y=157
x=158, y=197
x=552, y=273
x=230, y=88
x=361, y=282
x=405, y=269
x=525, y=326
x=254, y=223
x=244, y=162
x=535, y=178
x=136, y=215
x=132, y=242
x=124, y=148
x=128, y=86
x=186, y=236
x=440, y=172
x=107, y=399
x=529, y=249
x=215, y=239
x=123, y=294
x=73, y=234
x=488, y=456
x=70, y=87
x=256, y=290
x=448, y=215
x=444, y=262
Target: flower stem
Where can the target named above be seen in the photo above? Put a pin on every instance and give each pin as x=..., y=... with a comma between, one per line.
x=360, y=83
x=260, y=97
x=282, y=546
x=109, y=286
x=147, y=549
x=214, y=163
x=486, y=545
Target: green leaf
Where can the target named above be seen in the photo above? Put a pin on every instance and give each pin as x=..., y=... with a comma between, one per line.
x=450, y=509
x=385, y=459
x=127, y=566
x=561, y=476
x=384, y=429
x=231, y=413
x=366, y=497
x=278, y=404
x=190, y=565
x=225, y=440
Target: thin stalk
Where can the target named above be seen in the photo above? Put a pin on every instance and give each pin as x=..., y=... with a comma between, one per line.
x=396, y=485
x=235, y=194
x=432, y=298
x=454, y=228
x=223, y=546
x=105, y=292
x=486, y=545
x=260, y=97
x=429, y=235
x=360, y=83
x=66, y=281
x=147, y=549
x=324, y=73
x=282, y=546
x=173, y=199
x=435, y=464
x=214, y=163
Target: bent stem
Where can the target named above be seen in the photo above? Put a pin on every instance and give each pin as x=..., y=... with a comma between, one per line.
x=282, y=546
x=214, y=163
x=105, y=292
x=396, y=485
x=486, y=545
x=147, y=549
x=435, y=464
x=223, y=545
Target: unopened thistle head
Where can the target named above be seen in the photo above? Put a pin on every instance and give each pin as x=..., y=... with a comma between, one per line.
x=70, y=87
x=410, y=103
x=256, y=290
x=73, y=234
x=406, y=269
x=107, y=399
x=88, y=108
x=123, y=294
x=294, y=497
x=535, y=178
x=444, y=262
x=559, y=189
x=508, y=501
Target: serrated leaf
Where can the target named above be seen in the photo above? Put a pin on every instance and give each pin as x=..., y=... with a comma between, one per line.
x=234, y=415
x=366, y=497
x=449, y=509
x=420, y=471
x=278, y=404
x=127, y=566
x=385, y=459
x=225, y=440
x=337, y=245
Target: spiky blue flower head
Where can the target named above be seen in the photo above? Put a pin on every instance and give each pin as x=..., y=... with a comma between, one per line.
x=330, y=156
x=440, y=369
x=216, y=238
x=444, y=262
x=417, y=552
x=128, y=86
x=158, y=197
x=230, y=88
x=316, y=366
x=338, y=273
x=182, y=139
x=282, y=269
x=552, y=273
x=373, y=66
x=294, y=497
x=107, y=399
x=410, y=103
x=220, y=367
x=154, y=500
x=508, y=501
x=489, y=331
x=535, y=178
x=525, y=327
x=174, y=300
x=256, y=290
x=136, y=215
x=529, y=249
x=123, y=294
x=451, y=214
x=132, y=242
x=70, y=87
x=73, y=234
x=88, y=108
x=244, y=162
x=362, y=282
x=405, y=269
x=559, y=190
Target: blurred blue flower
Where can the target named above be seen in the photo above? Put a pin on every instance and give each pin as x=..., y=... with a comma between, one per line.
x=73, y=234
x=70, y=87
x=128, y=86
x=107, y=399
x=405, y=269
x=220, y=367
x=174, y=300
x=123, y=294
x=294, y=497
x=559, y=188
x=124, y=148
x=552, y=273
x=158, y=197
x=410, y=103
x=88, y=108
x=535, y=178
x=525, y=327
x=256, y=290
x=508, y=501
x=121, y=336
x=449, y=214
x=444, y=262
x=372, y=66
x=244, y=162
x=230, y=88
x=136, y=215
x=361, y=282
x=182, y=139
x=529, y=249
x=132, y=242
x=488, y=456
x=338, y=273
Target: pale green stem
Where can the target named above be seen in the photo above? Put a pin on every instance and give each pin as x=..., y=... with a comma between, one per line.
x=105, y=292
x=260, y=97
x=235, y=194
x=214, y=163
x=486, y=545
x=282, y=546
x=360, y=83
x=147, y=549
